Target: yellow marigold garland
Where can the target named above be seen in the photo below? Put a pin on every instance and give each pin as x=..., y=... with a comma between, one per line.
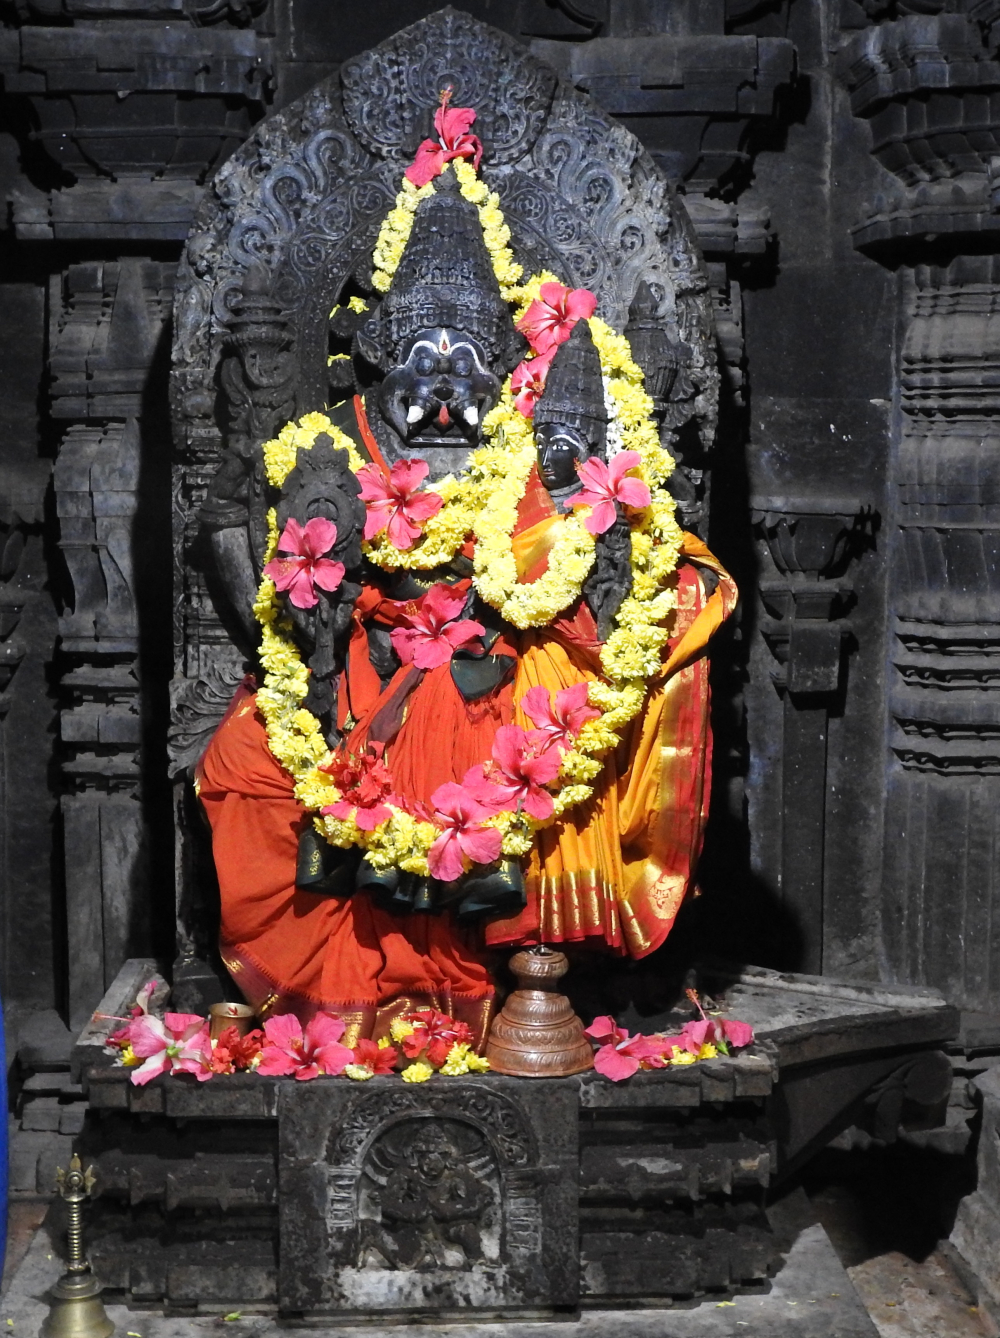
x=484, y=502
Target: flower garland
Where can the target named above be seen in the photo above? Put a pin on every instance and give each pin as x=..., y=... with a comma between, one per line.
x=484, y=502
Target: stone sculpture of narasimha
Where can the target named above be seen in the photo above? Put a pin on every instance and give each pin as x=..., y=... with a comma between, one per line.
x=481, y=718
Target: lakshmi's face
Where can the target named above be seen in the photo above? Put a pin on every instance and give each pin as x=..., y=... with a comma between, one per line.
x=442, y=389
x=559, y=450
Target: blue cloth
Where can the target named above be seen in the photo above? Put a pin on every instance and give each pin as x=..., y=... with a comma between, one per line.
x=3, y=1142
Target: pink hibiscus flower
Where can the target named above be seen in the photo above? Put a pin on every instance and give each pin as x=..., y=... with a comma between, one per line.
x=723, y=1033
x=454, y=141
x=604, y=485
x=178, y=1044
x=365, y=784
x=289, y=1050
x=460, y=816
x=528, y=382
x=522, y=765
x=395, y=503
x=559, y=723
x=123, y=1036
x=621, y=1055
x=300, y=565
x=549, y=320
x=433, y=633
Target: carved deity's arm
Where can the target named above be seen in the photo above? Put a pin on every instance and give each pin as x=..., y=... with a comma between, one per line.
x=234, y=563
x=225, y=518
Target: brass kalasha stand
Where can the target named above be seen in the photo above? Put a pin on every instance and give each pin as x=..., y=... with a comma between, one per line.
x=537, y=1034
x=77, y=1310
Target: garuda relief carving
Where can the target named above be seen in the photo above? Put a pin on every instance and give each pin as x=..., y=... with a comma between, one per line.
x=429, y=1197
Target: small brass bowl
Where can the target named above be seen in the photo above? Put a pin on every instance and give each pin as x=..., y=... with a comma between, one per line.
x=223, y=1015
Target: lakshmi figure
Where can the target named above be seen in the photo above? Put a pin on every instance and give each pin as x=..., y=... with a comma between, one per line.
x=481, y=719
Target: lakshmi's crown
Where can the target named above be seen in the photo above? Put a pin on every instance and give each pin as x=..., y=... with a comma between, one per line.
x=574, y=389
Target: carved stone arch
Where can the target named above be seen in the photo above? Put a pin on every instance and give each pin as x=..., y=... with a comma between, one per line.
x=499, y=1118
x=303, y=194
x=297, y=210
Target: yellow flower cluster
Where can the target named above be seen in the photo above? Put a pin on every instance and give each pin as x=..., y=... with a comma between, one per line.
x=417, y=1072
x=280, y=452
x=463, y=1059
x=395, y=233
x=496, y=233
x=483, y=502
x=494, y=568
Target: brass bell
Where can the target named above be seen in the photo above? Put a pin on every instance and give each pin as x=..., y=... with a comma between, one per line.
x=537, y=1034
x=77, y=1310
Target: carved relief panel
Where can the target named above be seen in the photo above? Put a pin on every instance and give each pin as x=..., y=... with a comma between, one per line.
x=462, y=1195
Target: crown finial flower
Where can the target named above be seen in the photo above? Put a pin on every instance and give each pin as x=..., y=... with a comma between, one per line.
x=454, y=141
x=528, y=382
x=549, y=320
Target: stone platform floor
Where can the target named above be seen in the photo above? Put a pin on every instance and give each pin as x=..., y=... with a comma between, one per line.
x=880, y=1295
x=811, y=1297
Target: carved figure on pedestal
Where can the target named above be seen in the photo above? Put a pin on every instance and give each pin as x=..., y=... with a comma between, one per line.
x=434, y=1207
x=481, y=714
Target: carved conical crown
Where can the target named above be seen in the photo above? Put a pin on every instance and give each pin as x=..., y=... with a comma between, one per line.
x=574, y=390
x=445, y=278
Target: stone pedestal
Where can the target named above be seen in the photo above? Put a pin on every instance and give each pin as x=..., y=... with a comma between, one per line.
x=486, y=1195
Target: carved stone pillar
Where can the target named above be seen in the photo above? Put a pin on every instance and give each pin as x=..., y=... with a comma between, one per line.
x=811, y=544
x=926, y=84
x=942, y=884
x=105, y=321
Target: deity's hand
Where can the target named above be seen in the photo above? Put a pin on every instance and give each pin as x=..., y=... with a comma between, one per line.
x=610, y=578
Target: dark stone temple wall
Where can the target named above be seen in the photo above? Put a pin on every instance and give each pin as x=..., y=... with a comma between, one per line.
x=838, y=161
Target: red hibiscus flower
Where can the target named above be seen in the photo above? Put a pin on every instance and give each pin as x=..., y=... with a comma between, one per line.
x=559, y=723
x=433, y=632
x=177, y=1043
x=621, y=1055
x=432, y=1036
x=528, y=382
x=460, y=816
x=373, y=1059
x=549, y=320
x=396, y=502
x=454, y=141
x=604, y=485
x=365, y=784
x=289, y=1050
x=300, y=565
x=233, y=1052
x=521, y=766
